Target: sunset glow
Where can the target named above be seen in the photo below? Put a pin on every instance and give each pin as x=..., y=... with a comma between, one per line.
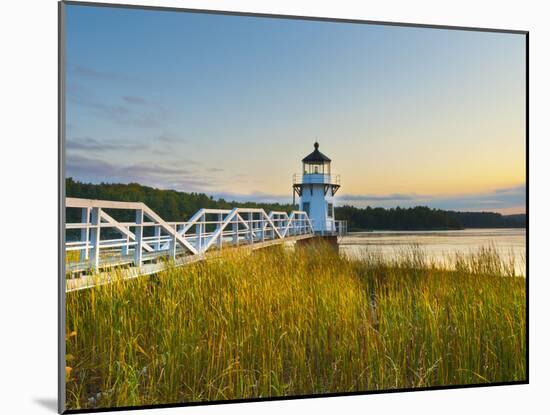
x=228, y=106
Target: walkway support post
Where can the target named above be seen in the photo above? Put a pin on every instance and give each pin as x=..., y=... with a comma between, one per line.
x=200, y=232
x=271, y=234
x=286, y=223
x=236, y=230
x=95, y=235
x=85, y=234
x=126, y=248
x=173, y=244
x=138, y=254
x=251, y=227
x=262, y=228
x=157, y=238
x=220, y=238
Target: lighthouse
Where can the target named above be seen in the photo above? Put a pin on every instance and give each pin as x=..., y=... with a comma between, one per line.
x=316, y=189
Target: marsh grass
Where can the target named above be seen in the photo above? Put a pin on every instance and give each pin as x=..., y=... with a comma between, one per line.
x=281, y=322
x=72, y=256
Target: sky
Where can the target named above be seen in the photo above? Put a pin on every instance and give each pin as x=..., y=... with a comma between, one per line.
x=229, y=105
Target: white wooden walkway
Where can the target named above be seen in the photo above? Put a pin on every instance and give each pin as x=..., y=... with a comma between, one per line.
x=99, y=242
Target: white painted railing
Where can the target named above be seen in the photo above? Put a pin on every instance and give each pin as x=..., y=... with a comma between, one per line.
x=316, y=178
x=105, y=241
x=341, y=227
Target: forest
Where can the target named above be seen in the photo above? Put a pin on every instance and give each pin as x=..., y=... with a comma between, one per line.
x=173, y=205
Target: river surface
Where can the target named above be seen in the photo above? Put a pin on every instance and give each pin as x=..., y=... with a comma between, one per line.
x=439, y=246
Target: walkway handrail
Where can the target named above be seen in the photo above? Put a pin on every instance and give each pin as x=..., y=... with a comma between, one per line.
x=211, y=226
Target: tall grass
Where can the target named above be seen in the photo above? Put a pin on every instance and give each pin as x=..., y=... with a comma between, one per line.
x=297, y=322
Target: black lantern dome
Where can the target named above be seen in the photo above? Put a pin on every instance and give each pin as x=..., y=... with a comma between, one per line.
x=316, y=156
x=316, y=162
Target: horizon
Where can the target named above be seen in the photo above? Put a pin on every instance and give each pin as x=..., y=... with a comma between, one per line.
x=289, y=203
x=232, y=112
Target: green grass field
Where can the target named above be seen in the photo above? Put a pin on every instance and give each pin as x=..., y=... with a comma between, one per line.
x=291, y=322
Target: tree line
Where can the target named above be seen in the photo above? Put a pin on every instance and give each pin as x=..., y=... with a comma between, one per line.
x=422, y=217
x=173, y=205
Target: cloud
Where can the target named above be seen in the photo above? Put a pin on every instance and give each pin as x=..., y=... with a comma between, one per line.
x=258, y=197
x=165, y=143
x=164, y=176
x=134, y=100
x=91, y=144
x=125, y=110
x=498, y=199
x=169, y=138
x=154, y=170
x=149, y=116
x=86, y=72
x=495, y=200
x=94, y=145
x=521, y=189
x=370, y=197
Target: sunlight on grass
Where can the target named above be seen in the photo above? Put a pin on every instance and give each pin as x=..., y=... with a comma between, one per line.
x=290, y=322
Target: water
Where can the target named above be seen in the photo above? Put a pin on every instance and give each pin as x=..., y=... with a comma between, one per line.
x=439, y=246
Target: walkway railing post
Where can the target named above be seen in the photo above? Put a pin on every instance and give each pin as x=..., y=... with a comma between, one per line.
x=200, y=232
x=174, y=248
x=262, y=227
x=219, y=227
x=157, y=238
x=235, y=227
x=138, y=254
x=251, y=227
x=126, y=248
x=173, y=244
x=85, y=234
x=95, y=235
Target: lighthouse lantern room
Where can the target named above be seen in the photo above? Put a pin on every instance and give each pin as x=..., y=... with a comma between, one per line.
x=316, y=189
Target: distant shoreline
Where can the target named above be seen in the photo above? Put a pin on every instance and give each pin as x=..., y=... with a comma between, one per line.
x=174, y=205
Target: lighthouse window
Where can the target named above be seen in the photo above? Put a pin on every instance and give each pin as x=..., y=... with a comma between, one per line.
x=330, y=210
x=306, y=207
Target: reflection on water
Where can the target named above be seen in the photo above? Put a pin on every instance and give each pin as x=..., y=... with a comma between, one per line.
x=439, y=246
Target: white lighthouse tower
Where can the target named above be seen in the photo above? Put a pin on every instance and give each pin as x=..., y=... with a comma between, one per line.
x=316, y=190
